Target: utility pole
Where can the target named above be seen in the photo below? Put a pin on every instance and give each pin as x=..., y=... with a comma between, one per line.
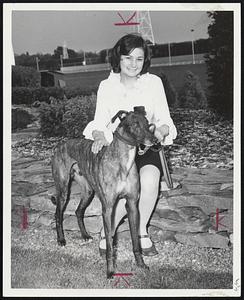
x=169, y=54
x=37, y=64
x=192, y=44
x=84, y=61
x=61, y=60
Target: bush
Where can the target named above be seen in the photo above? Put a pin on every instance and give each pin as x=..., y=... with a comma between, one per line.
x=25, y=95
x=171, y=94
x=22, y=95
x=191, y=95
x=220, y=63
x=43, y=94
x=74, y=92
x=67, y=118
x=78, y=112
x=25, y=77
x=51, y=117
x=20, y=118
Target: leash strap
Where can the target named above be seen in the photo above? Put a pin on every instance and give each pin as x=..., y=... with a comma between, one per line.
x=160, y=150
x=164, y=164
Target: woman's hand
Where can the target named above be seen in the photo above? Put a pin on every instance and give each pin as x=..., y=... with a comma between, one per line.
x=99, y=141
x=161, y=132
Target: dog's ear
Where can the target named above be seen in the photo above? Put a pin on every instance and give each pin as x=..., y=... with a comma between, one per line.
x=120, y=114
x=140, y=110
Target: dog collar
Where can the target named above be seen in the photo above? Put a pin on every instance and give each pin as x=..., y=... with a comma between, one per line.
x=123, y=139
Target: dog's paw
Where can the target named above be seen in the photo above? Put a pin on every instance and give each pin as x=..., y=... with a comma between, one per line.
x=110, y=275
x=62, y=242
x=87, y=237
x=142, y=265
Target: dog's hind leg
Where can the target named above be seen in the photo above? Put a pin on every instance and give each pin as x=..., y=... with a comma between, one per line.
x=63, y=196
x=61, y=165
x=87, y=194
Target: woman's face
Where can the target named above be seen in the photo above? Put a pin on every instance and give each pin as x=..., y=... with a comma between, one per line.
x=132, y=64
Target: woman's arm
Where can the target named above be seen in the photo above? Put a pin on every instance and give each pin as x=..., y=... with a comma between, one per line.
x=98, y=128
x=165, y=128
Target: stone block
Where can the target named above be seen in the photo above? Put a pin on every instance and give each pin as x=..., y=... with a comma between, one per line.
x=203, y=239
x=168, y=224
x=207, y=203
x=92, y=224
x=224, y=221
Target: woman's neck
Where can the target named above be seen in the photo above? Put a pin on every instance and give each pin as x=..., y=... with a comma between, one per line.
x=128, y=82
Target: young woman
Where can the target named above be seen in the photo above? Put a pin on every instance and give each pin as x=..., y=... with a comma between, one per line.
x=129, y=84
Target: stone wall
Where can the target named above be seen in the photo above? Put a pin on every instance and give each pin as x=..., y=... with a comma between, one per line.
x=198, y=212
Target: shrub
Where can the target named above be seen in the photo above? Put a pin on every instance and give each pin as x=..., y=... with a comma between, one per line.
x=67, y=118
x=171, y=94
x=78, y=112
x=43, y=94
x=25, y=77
x=51, y=116
x=25, y=95
x=80, y=91
x=220, y=63
x=20, y=118
x=22, y=95
x=191, y=95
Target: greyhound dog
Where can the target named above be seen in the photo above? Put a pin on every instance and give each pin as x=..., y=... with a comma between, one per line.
x=111, y=174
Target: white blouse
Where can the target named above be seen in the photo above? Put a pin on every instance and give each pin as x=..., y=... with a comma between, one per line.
x=113, y=96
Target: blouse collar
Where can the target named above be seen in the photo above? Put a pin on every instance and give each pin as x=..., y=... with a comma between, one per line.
x=115, y=78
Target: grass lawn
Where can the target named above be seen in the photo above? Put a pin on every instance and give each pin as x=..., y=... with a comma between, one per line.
x=38, y=262
x=175, y=74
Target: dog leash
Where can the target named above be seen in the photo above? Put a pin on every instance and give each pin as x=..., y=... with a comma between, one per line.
x=163, y=160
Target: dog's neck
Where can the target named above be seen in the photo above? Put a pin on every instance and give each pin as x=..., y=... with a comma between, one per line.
x=125, y=148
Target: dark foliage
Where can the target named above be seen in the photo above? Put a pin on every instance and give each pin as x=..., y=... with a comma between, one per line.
x=219, y=62
x=191, y=95
x=171, y=94
x=20, y=118
x=51, y=117
x=67, y=117
x=25, y=77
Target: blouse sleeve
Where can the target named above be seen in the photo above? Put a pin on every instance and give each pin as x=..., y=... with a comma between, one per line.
x=102, y=116
x=161, y=111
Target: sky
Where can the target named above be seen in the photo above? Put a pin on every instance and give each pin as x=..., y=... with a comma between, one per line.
x=39, y=31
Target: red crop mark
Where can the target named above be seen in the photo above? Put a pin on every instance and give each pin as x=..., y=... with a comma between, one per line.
x=122, y=275
x=127, y=23
x=218, y=219
x=24, y=223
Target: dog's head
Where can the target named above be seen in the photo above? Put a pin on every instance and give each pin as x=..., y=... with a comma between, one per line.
x=135, y=126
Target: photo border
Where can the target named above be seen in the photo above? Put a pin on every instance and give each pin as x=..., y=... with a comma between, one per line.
x=7, y=62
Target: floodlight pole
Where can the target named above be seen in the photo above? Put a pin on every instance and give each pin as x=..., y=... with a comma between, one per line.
x=61, y=60
x=169, y=54
x=37, y=64
x=192, y=44
x=84, y=61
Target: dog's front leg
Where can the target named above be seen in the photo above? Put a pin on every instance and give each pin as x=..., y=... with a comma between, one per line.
x=133, y=216
x=107, y=223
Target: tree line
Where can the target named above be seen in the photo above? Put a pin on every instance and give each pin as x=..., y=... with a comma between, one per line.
x=53, y=61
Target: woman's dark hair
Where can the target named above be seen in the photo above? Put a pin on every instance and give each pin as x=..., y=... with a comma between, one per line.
x=124, y=46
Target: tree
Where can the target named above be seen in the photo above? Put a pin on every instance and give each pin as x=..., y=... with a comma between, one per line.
x=191, y=95
x=25, y=77
x=219, y=62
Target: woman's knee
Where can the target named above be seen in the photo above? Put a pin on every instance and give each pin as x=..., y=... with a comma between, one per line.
x=149, y=178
